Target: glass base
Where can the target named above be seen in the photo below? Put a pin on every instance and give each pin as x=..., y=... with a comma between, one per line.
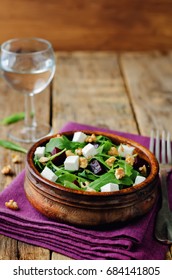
x=20, y=133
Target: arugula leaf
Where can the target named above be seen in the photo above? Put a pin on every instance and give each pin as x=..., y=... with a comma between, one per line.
x=13, y=118
x=109, y=177
x=87, y=174
x=134, y=175
x=62, y=143
x=128, y=168
x=71, y=185
x=106, y=178
x=126, y=181
x=101, y=160
x=57, y=142
x=38, y=164
x=12, y=146
x=65, y=177
x=106, y=147
x=103, y=139
x=51, y=157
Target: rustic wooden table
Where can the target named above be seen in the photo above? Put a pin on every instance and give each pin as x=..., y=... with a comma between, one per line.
x=129, y=92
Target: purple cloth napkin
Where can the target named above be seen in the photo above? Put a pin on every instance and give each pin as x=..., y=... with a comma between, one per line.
x=134, y=240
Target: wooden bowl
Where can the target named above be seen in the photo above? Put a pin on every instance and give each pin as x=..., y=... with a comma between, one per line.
x=91, y=208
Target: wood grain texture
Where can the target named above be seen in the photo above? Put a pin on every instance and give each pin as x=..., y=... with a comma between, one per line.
x=56, y=256
x=31, y=252
x=90, y=24
x=89, y=89
x=8, y=248
x=148, y=79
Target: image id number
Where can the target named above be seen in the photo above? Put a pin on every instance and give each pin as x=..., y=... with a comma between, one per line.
x=133, y=271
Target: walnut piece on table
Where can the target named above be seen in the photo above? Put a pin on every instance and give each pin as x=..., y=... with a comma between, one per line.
x=16, y=158
x=7, y=170
x=11, y=204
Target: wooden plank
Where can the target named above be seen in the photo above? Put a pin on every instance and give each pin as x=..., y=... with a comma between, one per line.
x=8, y=248
x=89, y=88
x=90, y=25
x=148, y=79
x=31, y=252
x=56, y=256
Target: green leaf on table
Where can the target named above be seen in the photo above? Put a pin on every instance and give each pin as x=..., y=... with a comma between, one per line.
x=13, y=118
x=12, y=146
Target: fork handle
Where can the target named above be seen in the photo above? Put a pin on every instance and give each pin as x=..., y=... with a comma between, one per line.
x=164, y=189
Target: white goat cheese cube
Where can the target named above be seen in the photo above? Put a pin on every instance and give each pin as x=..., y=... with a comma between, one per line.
x=110, y=187
x=71, y=163
x=39, y=152
x=79, y=137
x=139, y=179
x=89, y=151
x=125, y=150
x=49, y=174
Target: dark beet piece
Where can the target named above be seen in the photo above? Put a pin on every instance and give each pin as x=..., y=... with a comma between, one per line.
x=76, y=183
x=96, y=167
x=96, y=145
x=59, y=159
x=55, y=151
x=139, y=162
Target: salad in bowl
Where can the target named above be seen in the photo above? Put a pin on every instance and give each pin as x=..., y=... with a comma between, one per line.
x=91, y=178
x=90, y=163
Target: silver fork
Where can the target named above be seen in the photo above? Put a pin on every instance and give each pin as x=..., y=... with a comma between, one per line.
x=160, y=145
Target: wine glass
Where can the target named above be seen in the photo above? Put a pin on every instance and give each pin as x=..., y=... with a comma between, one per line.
x=28, y=66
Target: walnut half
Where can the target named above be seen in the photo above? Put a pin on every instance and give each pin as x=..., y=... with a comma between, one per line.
x=11, y=204
x=16, y=158
x=119, y=173
x=7, y=170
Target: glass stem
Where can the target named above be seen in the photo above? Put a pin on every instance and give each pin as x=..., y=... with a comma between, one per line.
x=30, y=119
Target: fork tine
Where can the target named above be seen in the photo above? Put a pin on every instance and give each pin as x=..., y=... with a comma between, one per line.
x=169, y=156
x=151, y=145
x=157, y=146
x=163, y=148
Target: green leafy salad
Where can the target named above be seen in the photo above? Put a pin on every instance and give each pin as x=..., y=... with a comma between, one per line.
x=90, y=163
